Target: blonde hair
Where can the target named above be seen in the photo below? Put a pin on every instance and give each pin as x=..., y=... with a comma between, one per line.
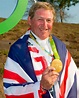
x=38, y=5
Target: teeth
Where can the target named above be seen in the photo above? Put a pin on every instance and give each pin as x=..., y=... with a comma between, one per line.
x=43, y=29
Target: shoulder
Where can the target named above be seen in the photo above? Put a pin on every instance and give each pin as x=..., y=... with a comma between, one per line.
x=61, y=48
x=59, y=44
x=58, y=41
x=21, y=42
x=20, y=46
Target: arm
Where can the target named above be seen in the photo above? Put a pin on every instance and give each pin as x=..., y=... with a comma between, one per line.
x=68, y=84
x=18, y=83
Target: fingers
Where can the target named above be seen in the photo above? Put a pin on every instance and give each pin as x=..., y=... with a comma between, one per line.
x=49, y=77
x=50, y=71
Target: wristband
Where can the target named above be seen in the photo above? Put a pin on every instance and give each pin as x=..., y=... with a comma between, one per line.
x=42, y=88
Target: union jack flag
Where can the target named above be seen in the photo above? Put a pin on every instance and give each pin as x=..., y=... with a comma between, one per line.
x=24, y=67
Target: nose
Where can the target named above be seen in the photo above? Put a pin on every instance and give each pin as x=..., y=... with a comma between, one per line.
x=45, y=24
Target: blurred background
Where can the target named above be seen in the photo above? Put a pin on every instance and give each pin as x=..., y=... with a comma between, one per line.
x=66, y=28
x=69, y=9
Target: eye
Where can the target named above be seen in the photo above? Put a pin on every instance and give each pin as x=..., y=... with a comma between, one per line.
x=49, y=20
x=40, y=19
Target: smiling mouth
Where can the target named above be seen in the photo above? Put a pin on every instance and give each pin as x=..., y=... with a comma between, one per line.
x=44, y=30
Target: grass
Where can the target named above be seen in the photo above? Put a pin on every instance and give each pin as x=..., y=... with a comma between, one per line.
x=3, y=52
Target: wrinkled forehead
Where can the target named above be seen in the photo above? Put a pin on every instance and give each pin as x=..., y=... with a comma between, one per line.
x=44, y=13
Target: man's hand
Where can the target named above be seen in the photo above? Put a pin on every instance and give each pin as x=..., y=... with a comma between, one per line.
x=49, y=77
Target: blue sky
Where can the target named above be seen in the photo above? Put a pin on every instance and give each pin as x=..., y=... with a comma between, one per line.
x=74, y=14
x=7, y=7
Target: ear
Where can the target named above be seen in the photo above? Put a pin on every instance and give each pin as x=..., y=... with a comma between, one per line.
x=29, y=20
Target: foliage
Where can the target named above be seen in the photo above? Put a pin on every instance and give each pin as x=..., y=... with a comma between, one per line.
x=61, y=5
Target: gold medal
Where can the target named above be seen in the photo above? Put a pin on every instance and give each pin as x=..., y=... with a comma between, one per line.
x=57, y=64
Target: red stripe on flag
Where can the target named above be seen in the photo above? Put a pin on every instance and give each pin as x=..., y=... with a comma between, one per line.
x=30, y=95
x=44, y=65
x=63, y=85
x=39, y=72
x=33, y=49
x=40, y=92
x=14, y=76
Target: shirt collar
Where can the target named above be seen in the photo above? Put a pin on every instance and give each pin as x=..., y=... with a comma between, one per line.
x=39, y=40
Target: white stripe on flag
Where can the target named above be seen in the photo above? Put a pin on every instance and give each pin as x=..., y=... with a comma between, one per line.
x=15, y=67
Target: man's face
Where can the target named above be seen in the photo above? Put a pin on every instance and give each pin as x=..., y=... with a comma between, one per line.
x=42, y=22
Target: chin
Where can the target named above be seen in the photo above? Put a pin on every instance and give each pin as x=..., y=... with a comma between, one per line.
x=43, y=37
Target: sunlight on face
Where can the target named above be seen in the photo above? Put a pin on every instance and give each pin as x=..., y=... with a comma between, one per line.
x=42, y=22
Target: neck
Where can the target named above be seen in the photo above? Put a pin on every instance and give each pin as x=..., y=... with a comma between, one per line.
x=39, y=37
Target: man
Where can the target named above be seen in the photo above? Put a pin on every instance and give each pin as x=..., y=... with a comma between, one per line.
x=28, y=73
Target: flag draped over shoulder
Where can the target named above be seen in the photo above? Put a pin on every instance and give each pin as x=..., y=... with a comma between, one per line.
x=22, y=75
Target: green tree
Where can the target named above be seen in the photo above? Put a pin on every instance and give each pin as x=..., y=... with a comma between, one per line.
x=61, y=5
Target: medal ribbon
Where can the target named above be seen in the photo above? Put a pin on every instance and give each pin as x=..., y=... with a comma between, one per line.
x=52, y=46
